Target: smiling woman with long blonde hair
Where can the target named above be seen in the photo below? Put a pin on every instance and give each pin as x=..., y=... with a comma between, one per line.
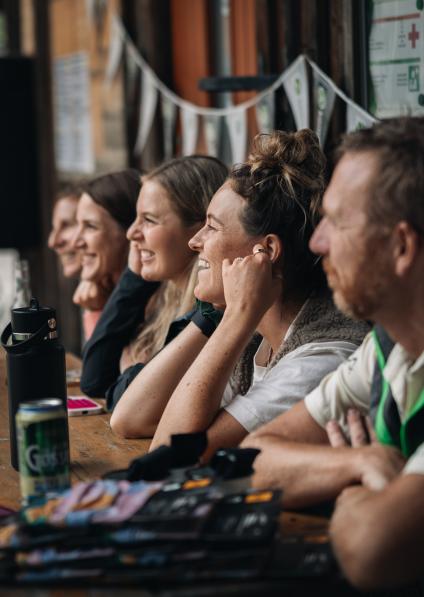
x=157, y=287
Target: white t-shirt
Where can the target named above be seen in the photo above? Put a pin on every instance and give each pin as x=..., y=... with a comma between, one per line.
x=350, y=387
x=276, y=389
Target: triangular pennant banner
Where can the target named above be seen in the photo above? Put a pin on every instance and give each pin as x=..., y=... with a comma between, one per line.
x=237, y=129
x=357, y=118
x=265, y=113
x=324, y=96
x=169, y=113
x=115, y=51
x=131, y=74
x=189, y=125
x=297, y=91
x=295, y=80
x=148, y=99
x=211, y=127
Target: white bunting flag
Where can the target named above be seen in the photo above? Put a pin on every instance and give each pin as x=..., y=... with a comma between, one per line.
x=237, y=129
x=132, y=73
x=115, y=51
x=189, y=125
x=324, y=96
x=211, y=127
x=356, y=118
x=169, y=113
x=295, y=80
x=265, y=113
x=297, y=91
x=148, y=99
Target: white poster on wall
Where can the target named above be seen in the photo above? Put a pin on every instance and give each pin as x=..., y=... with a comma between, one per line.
x=396, y=58
x=72, y=114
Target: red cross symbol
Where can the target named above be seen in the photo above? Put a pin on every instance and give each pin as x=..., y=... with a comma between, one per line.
x=413, y=36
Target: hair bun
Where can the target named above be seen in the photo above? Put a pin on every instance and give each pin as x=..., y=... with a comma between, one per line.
x=297, y=157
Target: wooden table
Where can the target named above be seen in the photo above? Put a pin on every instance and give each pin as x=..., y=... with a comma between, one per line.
x=94, y=451
x=94, y=448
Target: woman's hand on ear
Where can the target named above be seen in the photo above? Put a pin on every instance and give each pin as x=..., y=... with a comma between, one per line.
x=249, y=286
x=92, y=295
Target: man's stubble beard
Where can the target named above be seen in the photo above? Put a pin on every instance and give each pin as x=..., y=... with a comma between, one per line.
x=361, y=296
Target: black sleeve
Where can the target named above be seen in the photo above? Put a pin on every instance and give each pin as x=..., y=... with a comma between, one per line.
x=205, y=325
x=118, y=387
x=123, y=313
x=115, y=391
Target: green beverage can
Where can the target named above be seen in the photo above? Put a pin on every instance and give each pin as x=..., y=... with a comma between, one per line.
x=43, y=448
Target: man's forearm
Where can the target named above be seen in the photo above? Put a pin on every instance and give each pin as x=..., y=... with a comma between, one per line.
x=307, y=473
x=379, y=536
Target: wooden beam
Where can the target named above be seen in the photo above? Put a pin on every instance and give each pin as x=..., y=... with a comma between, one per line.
x=13, y=20
x=46, y=284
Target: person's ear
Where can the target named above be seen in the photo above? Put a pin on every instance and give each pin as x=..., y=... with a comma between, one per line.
x=406, y=244
x=273, y=246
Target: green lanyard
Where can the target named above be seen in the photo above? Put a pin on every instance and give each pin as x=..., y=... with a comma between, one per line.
x=381, y=428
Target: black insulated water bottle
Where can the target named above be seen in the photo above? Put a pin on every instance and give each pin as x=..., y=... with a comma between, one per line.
x=35, y=361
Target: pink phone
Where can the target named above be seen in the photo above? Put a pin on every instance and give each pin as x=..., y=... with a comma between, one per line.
x=81, y=405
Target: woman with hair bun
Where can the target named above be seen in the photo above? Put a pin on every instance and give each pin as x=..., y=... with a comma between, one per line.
x=279, y=333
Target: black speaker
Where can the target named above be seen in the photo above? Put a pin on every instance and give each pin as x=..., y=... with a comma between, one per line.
x=19, y=195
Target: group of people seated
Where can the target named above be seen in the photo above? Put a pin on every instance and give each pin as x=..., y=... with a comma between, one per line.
x=272, y=311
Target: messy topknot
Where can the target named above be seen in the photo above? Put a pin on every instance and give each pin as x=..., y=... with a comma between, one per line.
x=296, y=157
x=282, y=182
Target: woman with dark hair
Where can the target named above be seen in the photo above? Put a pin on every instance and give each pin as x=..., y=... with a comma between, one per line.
x=105, y=211
x=64, y=224
x=138, y=318
x=254, y=262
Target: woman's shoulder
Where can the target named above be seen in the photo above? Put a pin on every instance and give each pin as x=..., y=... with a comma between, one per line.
x=320, y=321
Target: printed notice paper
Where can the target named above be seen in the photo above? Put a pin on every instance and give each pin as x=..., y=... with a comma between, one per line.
x=396, y=52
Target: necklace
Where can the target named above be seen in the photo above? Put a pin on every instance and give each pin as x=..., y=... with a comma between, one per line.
x=270, y=355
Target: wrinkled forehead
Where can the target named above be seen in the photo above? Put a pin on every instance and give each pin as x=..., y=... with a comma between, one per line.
x=352, y=184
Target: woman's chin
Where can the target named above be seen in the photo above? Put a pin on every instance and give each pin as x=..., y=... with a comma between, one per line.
x=148, y=275
x=207, y=296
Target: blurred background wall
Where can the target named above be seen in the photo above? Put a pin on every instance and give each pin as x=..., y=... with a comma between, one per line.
x=59, y=50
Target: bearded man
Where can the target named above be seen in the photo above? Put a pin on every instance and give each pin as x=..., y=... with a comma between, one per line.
x=364, y=425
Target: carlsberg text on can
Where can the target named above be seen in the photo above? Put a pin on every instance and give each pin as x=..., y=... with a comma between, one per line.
x=43, y=448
